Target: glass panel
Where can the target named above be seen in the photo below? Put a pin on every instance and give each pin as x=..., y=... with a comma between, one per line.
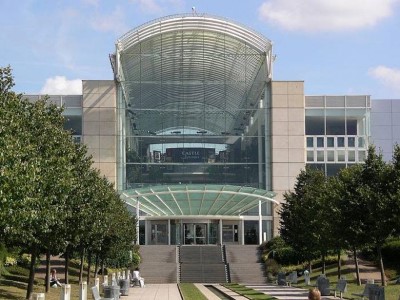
x=201, y=234
x=341, y=155
x=361, y=142
x=340, y=141
x=315, y=122
x=351, y=155
x=213, y=233
x=310, y=142
x=310, y=155
x=351, y=142
x=335, y=122
x=330, y=142
x=320, y=156
x=331, y=155
x=159, y=233
x=251, y=233
x=333, y=169
x=356, y=119
x=227, y=233
x=361, y=155
x=320, y=142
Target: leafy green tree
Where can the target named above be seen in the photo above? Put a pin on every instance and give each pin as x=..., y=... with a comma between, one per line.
x=348, y=211
x=301, y=219
x=35, y=169
x=379, y=188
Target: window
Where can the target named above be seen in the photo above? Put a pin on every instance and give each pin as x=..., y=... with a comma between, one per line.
x=310, y=142
x=320, y=142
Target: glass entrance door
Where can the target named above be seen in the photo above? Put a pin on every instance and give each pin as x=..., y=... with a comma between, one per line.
x=195, y=233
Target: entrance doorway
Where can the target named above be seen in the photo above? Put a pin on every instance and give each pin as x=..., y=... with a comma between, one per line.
x=195, y=233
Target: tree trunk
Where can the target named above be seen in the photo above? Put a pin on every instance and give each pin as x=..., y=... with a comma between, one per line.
x=88, y=268
x=47, y=277
x=67, y=264
x=339, y=266
x=356, y=264
x=81, y=265
x=310, y=266
x=381, y=267
x=102, y=267
x=96, y=266
x=323, y=264
x=31, y=272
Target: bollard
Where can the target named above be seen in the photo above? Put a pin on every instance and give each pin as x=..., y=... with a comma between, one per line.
x=38, y=296
x=124, y=287
x=111, y=291
x=65, y=292
x=83, y=291
x=127, y=274
x=97, y=283
x=105, y=280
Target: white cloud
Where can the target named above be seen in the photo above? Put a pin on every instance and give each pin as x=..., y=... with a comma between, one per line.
x=60, y=85
x=149, y=6
x=158, y=6
x=390, y=77
x=325, y=15
x=113, y=22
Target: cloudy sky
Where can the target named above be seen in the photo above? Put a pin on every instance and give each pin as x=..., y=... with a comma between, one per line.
x=336, y=46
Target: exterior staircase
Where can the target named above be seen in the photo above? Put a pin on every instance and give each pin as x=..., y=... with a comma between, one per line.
x=158, y=264
x=202, y=264
x=245, y=264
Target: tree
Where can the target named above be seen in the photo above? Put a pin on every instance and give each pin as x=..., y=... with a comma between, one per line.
x=301, y=216
x=35, y=169
x=379, y=188
x=348, y=211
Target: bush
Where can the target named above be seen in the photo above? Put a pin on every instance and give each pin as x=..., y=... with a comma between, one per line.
x=24, y=260
x=391, y=251
x=10, y=261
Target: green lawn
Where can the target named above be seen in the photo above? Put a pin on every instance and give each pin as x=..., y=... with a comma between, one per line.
x=392, y=291
x=191, y=292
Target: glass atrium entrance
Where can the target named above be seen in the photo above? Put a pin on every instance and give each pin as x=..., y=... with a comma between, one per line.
x=193, y=118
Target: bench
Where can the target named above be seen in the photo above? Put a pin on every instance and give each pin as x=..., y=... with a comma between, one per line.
x=376, y=293
x=365, y=293
x=323, y=285
x=341, y=287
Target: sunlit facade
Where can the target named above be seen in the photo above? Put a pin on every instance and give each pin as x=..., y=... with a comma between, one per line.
x=199, y=139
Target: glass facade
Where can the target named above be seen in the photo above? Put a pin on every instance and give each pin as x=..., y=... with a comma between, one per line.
x=337, y=131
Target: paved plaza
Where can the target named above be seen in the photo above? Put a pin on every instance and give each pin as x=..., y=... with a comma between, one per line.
x=171, y=292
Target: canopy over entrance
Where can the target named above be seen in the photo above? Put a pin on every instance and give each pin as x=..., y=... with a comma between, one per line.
x=192, y=200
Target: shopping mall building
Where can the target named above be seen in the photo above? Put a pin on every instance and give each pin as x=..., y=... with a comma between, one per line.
x=200, y=140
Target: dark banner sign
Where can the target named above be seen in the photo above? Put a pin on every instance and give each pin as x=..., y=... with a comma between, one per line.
x=190, y=154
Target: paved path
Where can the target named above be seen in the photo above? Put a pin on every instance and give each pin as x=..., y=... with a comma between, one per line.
x=168, y=291
x=171, y=292
x=284, y=292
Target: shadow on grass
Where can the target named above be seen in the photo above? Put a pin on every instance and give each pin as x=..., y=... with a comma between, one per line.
x=7, y=295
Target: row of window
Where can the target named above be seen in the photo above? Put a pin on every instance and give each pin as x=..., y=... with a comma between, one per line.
x=336, y=155
x=335, y=142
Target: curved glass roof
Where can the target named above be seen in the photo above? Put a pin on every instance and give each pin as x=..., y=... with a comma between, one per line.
x=195, y=200
x=192, y=63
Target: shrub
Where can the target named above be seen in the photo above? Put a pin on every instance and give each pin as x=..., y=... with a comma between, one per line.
x=391, y=251
x=24, y=260
x=10, y=261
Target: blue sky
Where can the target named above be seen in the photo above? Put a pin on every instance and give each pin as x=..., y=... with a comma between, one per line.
x=336, y=46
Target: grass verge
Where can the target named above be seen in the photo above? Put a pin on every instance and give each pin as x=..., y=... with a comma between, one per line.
x=191, y=292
